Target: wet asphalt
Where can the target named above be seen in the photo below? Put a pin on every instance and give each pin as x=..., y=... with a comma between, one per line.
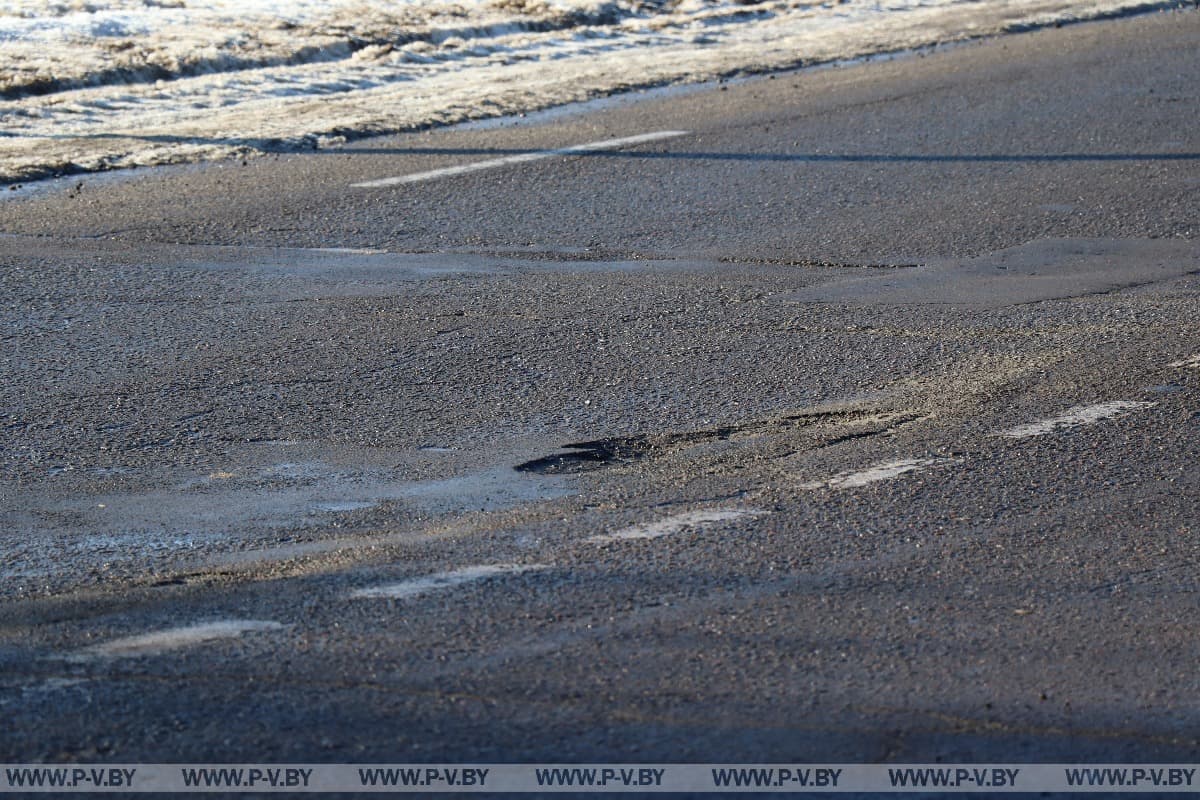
x=737, y=416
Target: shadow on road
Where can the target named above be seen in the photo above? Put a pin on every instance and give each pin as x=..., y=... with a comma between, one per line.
x=298, y=145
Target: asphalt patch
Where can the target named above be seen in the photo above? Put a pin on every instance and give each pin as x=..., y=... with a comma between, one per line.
x=1045, y=269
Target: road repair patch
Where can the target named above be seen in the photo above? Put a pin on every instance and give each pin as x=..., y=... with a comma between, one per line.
x=1045, y=269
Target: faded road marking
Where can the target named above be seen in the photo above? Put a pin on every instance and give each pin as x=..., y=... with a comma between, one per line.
x=675, y=524
x=445, y=580
x=1192, y=361
x=148, y=644
x=879, y=472
x=1074, y=417
x=522, y=158
x=44, y=686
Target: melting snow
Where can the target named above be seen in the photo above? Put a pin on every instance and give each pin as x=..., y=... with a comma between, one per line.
x=93, y=84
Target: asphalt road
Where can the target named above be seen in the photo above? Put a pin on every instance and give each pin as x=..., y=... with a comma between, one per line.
x=857, y=422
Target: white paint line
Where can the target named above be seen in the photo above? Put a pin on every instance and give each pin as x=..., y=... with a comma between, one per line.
x=174, y=638
x=1074, y=417
x=1193, y=361
x=879, y=472
x=445, y=580
x=522, y=158
x=675, y=524
x=49, y=685
x=349, y=251
x=55, y=684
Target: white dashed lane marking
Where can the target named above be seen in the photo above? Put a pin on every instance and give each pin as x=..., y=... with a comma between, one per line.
x=1191, y=361
x=521, y=158
x=675, y=524
x=174, y=638
x=1074, y=417
x=879, y=472
x=445, y=580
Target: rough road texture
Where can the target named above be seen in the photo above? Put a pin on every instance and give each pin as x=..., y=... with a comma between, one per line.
x=753, y=475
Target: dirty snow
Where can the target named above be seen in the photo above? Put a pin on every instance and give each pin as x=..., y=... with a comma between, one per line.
x=95, y=84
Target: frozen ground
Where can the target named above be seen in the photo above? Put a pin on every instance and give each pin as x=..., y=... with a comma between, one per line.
x=95, y=84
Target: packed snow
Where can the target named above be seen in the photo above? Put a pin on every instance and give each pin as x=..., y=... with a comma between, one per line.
x=97, y=84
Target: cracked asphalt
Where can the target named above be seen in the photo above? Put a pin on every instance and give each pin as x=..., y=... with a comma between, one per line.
x=858, y=424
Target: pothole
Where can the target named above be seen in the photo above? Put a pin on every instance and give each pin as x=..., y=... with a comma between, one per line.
x=581, y=457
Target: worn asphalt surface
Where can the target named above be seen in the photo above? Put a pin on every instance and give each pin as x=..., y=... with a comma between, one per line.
x=211, y=414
